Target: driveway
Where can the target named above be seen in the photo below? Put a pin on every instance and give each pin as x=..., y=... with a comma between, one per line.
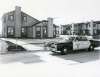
x=27, y=46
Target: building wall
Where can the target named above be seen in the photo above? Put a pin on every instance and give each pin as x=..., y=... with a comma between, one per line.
x=86, y=28
x=6, y=22
x=50, y=27
x=21, y=25
x=34, y=32
x=4, y=32
x=29, y=20
x=43, y=26
x=17, y=22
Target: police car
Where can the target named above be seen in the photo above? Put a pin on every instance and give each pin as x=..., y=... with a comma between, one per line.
x=72, y=44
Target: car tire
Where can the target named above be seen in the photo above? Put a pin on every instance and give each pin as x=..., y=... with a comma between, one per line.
x=64, y=51
x=91, y=48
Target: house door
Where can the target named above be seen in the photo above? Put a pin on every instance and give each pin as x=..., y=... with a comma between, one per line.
x=38, y=32
x=44, y=32
x=23, y=32
x=10, y=32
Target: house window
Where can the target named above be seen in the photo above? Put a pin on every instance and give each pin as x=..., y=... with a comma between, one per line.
x=94, y=31
x=44, y=31
x=4, y=19
x=54, y=29
x=10, y=31
x=24, y=32
x=87, y=32
x=38, y=32
x=25, y=18
x=94, y=25
x=11, y=17
x=87, y=26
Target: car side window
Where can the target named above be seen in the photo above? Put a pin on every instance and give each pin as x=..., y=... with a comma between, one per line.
x=71, y=38
x=76, y=39
x=83, y=39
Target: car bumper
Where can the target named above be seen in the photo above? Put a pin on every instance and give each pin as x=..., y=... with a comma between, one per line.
x=53, y=49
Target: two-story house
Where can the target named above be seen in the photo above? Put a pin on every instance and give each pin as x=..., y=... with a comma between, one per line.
x=17, y=24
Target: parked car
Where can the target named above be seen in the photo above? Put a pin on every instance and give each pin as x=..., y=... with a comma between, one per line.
x=72, y=44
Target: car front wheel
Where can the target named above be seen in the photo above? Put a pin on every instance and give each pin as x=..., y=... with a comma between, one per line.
x=64, y=51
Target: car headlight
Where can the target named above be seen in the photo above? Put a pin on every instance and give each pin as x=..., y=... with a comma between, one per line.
x=54, y=45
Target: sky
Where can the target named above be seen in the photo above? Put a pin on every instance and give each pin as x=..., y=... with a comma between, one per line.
x=63, y=11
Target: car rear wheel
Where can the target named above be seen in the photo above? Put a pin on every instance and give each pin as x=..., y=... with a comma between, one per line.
x=91, y=48
x=64, y=51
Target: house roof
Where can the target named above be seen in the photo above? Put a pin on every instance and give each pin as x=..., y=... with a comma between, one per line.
x=29, y=16
x=22, y=13
x=97, y=22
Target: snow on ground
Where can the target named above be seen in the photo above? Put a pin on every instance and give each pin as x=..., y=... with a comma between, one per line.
x=45, y=65
x=24, y=44
x=50, y=70
x=42, y=64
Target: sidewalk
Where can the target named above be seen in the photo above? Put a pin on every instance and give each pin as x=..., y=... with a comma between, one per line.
x=39, y=41
x=31, y=44
x=27, y=46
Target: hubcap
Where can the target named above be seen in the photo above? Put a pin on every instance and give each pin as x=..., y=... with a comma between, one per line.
x=65, y=50
x=91, y=47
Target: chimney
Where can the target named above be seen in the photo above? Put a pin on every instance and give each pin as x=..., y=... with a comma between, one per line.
x=91, y=25
x=17, y=21
x=50, y=27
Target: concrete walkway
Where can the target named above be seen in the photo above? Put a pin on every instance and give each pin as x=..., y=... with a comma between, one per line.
x=27, y=46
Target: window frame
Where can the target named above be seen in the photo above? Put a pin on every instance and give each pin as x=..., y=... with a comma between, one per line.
x=10, y=31
x=25, y=18
x=11, y=17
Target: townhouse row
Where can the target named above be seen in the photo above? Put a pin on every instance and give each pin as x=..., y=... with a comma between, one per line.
x=91, y=28
x=17, y=24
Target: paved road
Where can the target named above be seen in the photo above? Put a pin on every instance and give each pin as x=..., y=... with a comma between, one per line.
x=81, y=56
x=76, y=57
x=49, y=57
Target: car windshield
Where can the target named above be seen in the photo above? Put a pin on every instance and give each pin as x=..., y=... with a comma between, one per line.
x=71, y=38
x=75, y=38
x=78, y=38
x=83, y=39
x=64, y=40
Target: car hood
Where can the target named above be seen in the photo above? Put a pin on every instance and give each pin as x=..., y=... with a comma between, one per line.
x=63, y=41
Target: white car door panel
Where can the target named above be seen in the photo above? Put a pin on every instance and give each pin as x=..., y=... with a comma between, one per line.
x=84, y=44
x=75, y=45
x=81, y=44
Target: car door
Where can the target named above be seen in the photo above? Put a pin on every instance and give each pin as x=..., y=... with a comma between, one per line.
x=75, y=44
x=83, y=43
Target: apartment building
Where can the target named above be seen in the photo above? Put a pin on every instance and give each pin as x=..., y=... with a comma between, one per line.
x=84, y=28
